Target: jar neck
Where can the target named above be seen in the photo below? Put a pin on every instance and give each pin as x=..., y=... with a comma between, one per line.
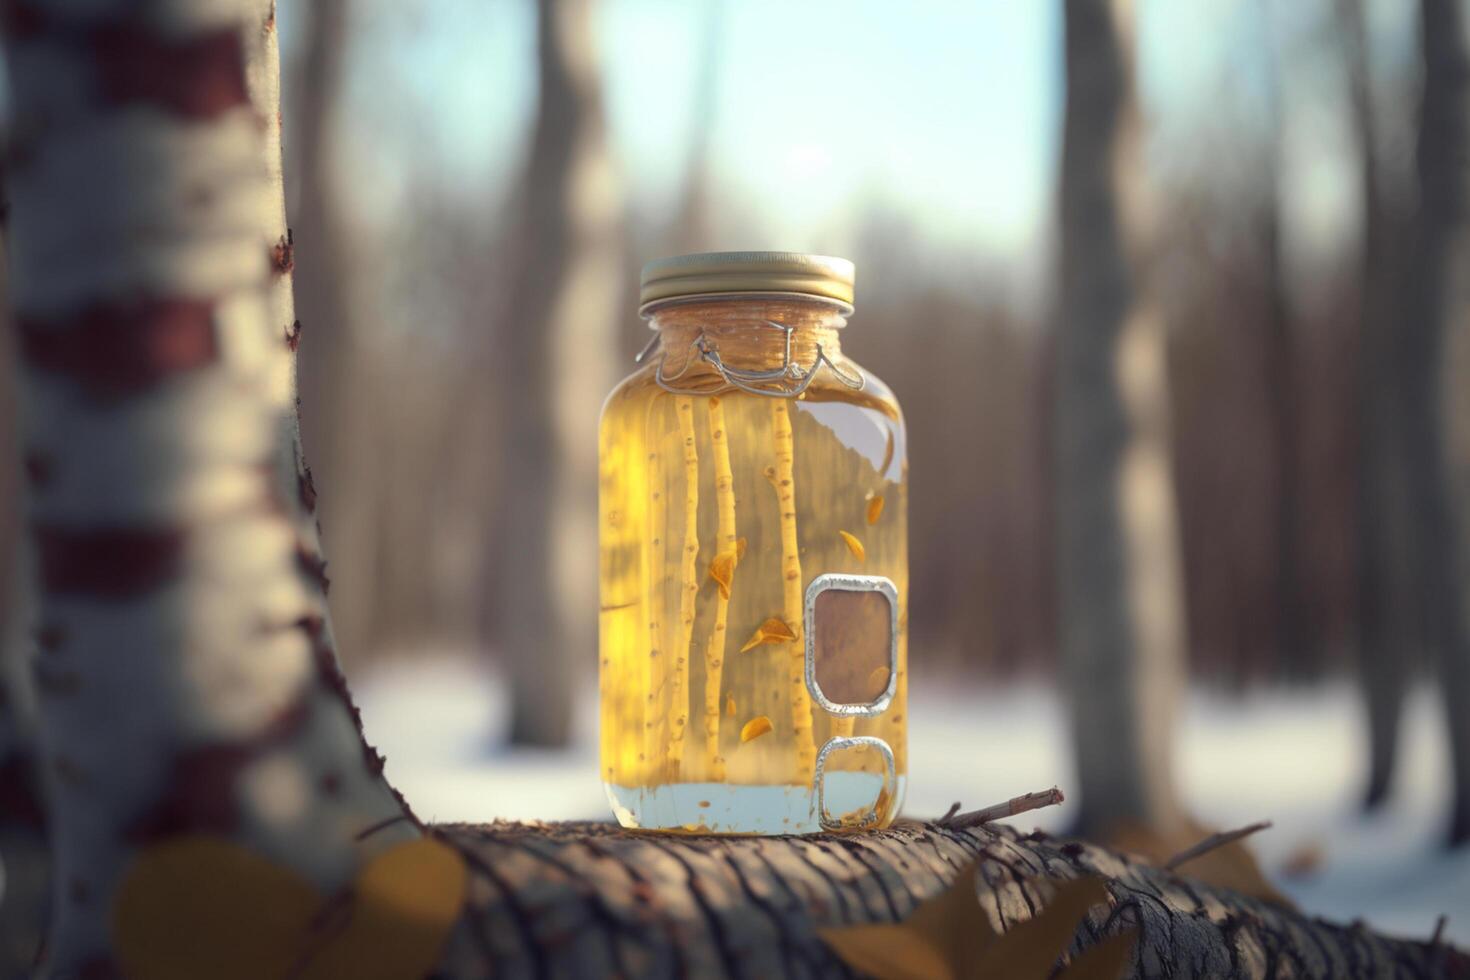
x=740, y=328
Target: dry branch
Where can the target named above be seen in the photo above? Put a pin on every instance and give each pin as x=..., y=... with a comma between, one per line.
x=1214, y=841
x=1011, y=807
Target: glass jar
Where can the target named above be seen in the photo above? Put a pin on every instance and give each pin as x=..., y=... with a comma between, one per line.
x=754, y=559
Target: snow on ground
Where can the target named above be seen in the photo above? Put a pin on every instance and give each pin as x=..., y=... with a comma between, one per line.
x=1294, y=757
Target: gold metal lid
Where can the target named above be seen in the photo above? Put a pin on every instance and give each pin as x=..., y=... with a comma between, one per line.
x=732, y=273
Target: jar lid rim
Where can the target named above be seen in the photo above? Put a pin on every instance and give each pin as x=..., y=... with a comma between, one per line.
x=734, y=273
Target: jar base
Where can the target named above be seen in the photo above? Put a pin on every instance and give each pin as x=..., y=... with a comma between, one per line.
x=731, y=808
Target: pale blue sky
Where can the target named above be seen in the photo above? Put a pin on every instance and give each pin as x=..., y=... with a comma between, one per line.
x=945, y=112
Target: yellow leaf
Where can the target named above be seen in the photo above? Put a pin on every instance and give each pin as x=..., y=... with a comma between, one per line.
x=1032, y=948
x=182, y=909
x=875, y=508
x=730, y=706
x=1104, y=960
x=950, y=936
x=953, y=923
x=886, y=951
x=739, y=549
x=405, y=901
x=936, y=940
x=854, y=545
x=755, y=728
x=1231, y=866
x=722, y=570
x=772, y=630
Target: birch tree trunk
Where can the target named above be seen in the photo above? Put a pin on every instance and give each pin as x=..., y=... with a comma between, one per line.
x=1122, y=624
x=559, y=341
x=186, y=672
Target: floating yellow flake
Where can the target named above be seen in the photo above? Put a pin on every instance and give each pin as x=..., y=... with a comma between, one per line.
x=878, y=679
x=730, y=706
x=881, y=806
x=739, y=549
x=755, y=728
x=772, y=630
x=854, y=545
x=722, y=570
x=875, y=508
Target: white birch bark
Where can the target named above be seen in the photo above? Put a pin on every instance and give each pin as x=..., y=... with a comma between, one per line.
x=1122, y=623
x=187, y=678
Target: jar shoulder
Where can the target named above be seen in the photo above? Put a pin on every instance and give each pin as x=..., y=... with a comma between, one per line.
x=640, y=388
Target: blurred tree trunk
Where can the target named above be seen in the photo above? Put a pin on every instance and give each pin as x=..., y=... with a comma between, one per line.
x=1122, y=622
x=1414, y=578
x=1438, y=229
x=558, y=365
x=186, y=675
x=337, y=429
x=1296, y=645
x=1386, y=637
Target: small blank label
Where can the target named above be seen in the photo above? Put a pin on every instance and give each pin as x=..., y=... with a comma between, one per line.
x=852, y=645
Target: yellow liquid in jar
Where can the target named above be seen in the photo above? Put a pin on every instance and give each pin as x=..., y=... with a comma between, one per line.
x=766, y=491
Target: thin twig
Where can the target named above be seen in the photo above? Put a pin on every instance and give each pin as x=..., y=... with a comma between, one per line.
x=1438, y=937
x=953, y=809
x=1213, y=841
x=1031, y=801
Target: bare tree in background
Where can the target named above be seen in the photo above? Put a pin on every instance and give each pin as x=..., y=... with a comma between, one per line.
x=337, y=429
x=1385, y=629
x=1279, y=371
x=1122, y=621
x=1438, y=228
x=557, y=365
x=1412, y=592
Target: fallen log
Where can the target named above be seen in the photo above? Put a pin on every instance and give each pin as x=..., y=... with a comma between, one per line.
x=586, y=899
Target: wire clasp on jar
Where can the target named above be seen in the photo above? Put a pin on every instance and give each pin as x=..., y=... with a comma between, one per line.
x=787, y=381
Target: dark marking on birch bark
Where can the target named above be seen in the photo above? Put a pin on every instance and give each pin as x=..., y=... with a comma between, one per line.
x=113, y=350
x=307, y=488
x=23, y=21
x=283, y=255
x=199, y=791
x=313, y=566
x=107, y=563
x=197, y=77
x=20, y=798
x=293, y=338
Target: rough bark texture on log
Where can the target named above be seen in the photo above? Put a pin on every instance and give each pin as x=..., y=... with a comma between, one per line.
x=574, y=900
